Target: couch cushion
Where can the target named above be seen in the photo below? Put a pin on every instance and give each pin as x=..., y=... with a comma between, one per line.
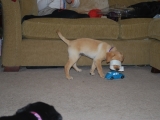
x=28, y=7
x=154, y=29
x=87, y=5
x=125, y=2
x=97, y=28
x=134, y=28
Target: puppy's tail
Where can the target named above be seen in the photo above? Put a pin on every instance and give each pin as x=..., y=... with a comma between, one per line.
x=63, y=38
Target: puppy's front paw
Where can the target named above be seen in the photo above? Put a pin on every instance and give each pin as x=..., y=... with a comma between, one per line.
x=92, y=73
x=69, y=77
x=102, y=75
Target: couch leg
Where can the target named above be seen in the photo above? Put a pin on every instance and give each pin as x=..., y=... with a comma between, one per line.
x=154, y=70
x=11, y=69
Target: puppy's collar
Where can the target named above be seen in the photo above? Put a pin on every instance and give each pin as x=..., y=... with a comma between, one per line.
x=110, y=49
x=36, y=115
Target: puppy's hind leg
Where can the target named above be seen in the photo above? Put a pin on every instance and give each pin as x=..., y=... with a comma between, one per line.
x=72, y=60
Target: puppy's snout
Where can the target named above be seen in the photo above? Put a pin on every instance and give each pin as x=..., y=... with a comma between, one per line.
x=116, y=67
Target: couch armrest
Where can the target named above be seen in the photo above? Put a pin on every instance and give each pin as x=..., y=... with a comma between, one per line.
x=154, y=29
x=12, y=34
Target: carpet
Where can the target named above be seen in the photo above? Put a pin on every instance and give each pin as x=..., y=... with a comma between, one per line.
x=86, y=97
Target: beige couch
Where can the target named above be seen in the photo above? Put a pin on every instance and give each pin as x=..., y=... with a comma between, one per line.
x=35, y=42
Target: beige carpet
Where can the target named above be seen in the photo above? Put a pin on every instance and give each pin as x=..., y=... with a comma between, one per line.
x=136, y=97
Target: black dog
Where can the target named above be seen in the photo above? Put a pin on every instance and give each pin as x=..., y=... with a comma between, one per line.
x=140, y=10
x=146, y=9
x=59, y=14
x=35, y=111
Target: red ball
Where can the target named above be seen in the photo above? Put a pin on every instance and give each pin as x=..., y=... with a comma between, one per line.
x=95, y=13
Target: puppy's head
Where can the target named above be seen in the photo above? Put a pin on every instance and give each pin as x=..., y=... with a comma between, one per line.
x=47, y=112
x=114, y=55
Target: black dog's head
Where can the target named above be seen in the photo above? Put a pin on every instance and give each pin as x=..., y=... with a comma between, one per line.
x=45, y=111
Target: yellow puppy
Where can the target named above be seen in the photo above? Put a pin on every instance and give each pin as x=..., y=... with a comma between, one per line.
x=94, y=49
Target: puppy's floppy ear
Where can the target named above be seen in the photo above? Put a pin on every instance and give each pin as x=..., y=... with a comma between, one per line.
x=109, y=56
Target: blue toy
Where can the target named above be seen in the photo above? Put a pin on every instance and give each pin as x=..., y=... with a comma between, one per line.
x=114, y=75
